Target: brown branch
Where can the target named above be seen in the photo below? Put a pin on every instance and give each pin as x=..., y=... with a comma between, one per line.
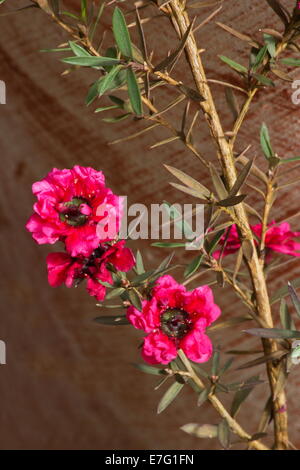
x=181, y=22
x=219, y=407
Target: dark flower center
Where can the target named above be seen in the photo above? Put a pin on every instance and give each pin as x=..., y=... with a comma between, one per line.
x=71, y=213
x=175, y=323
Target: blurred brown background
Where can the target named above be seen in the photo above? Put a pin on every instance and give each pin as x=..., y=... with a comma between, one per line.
x=69, y=383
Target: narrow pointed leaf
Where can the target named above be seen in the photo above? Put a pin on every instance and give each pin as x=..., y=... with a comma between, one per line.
x=232, y=102
x=121, y=33
x=139, y=263
x=224, y=434
x=203, y=397
x=91, y=61
x=264, y=80
x=241, y=396
x=291, y=62
x=218, y=183
x=232, y=201
x=169, y=61
x=262, y=360
x=202, y=431
x=149, y=369
x=108, y=81
x=279, y=10
x=169, y=396
x=78, y=50
x=234, y=65
x=295, y=298
x=189, y=181
x=190, y=191
x=193, y=266
x=285, y=317
x=142, y=36
x=273, y=333
x=242, y=177
x=134, y=92
x=289, y=160
x=284, y=291
x=135, y=299
x=265, y=142
x=229, y=323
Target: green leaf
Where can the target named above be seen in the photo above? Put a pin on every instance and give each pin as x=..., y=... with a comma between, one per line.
x=280, y=11
x=186, y=190
x=226, y=366
x=285, y=317
x=139, y=267
x=265, y=142
x=189, y=181
x=105, y=108
x=224, y=434
x=295, y=298
x=215, y=363
x=78, y=50
x=169, y=396
x=204, y=431
x=112, y=320
x=270, y=42
x=193, y=266
x=284, y=291
x=135, y=299
x=91, y=61
x=234, y=65
x=168, y=244
x=83, y=10
x=289, y=160
x=202, y=397
x=170, y=59
x=241, y=178
x=218, y=183
x=134, y=92
x=291, y=62
x=115, y=292
x=121, y=33
x=262, y=360
x=241, y=396
x=232, y=201
x=229, y=323
x=273, y=333
x=109, y=80
x=93, y=93
x=260, y=57
x=117, y=118
x=264, y=80
x=105, y=284
x=149, y=369
x=213, y=244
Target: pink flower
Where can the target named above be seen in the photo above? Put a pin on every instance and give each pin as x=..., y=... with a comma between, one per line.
x=70, y=207
x=63, y=268
x=278, y=238
x=175, y=318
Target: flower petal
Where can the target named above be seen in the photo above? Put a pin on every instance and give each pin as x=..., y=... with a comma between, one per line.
x=197, y=346
x=58, y=265
x=199, y=303
x=158, y=349
x=148, y=319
